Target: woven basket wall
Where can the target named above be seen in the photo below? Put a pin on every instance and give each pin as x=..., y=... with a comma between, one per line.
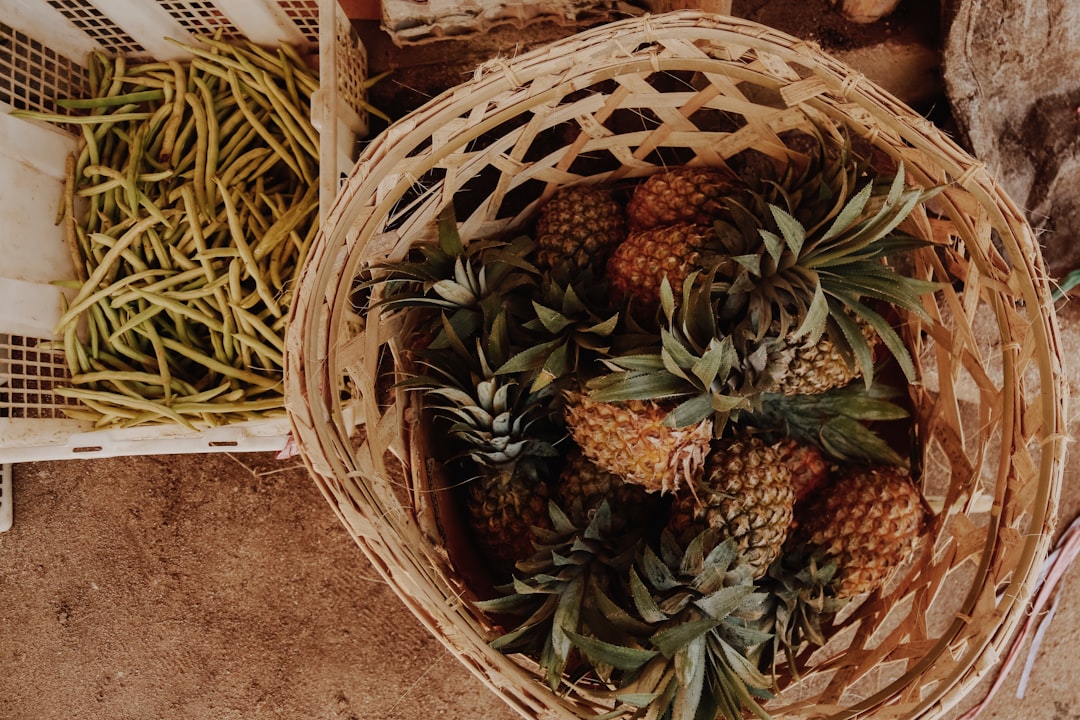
x=618, y=103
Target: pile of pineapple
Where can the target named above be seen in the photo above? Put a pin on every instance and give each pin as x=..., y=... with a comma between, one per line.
x=663, y=405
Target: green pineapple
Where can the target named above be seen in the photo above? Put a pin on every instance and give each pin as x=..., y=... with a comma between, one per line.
x=578, y=227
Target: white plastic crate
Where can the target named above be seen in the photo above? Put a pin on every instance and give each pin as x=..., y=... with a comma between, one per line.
x=7, y=505
x=43, y=47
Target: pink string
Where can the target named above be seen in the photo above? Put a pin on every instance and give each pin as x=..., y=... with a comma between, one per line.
x=1054, y=569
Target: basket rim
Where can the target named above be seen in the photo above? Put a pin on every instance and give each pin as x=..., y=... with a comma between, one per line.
x=349, y=226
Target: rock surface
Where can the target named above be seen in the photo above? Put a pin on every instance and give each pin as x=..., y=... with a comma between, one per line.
x=867, y=11
x=1012, y=75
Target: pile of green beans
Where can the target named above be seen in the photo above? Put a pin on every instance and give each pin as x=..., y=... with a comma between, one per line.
x=190, y=204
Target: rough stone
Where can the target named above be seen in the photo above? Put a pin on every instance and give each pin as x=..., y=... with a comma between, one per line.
x=1012, y=75
x=867, y=11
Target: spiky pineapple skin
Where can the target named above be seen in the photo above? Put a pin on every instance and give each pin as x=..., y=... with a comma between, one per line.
x=818, y=367
x=584, y=485
x=809, y=469
x=579, y=226
x=680, y=195
x=869, y=519
x=638, y=266
x=746, y=494
x=632, y=441
x=503, y=509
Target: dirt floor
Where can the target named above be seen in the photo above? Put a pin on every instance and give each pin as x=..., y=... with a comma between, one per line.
x=205, y=587
x=221, y=586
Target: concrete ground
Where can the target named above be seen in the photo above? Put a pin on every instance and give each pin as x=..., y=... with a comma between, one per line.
x=222, y=586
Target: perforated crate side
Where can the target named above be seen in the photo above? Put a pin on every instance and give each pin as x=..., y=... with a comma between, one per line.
x=7, y=502
x=43, y=46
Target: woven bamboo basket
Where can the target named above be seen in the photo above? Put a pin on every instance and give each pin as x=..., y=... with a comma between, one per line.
x=989, y=407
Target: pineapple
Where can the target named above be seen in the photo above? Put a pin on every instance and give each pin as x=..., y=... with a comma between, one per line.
x=646, y=258
x=503, y=510
x=680, y=195
x=799, y=598
x=869, y=521
x=839, y=422
x=631, y=440
x=793, y=266
x=746, y=495
x=685, y=643
x=704, y=374
x=505, y=430
x=579, y=226
x=816, y=367
x=557, y=587
x=809, y=468
x=583, y=487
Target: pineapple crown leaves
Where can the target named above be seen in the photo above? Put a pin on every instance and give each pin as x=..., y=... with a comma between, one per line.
x=835, y=420
x=807, y=277
x=702, y=613
x=496, y=418
x=470, y=284
x=567, y=335
x=555, y=587
x=800, y=598
x=713, y=374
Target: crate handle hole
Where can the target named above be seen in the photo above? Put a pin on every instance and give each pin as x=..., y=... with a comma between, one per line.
x=224, y=443
x=87, y=449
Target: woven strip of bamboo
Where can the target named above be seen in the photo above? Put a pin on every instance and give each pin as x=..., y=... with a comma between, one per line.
x=601, y=107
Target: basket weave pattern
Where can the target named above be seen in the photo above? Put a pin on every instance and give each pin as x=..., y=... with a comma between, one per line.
x=619, y=103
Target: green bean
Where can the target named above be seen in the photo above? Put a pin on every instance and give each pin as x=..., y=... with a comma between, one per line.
x=172, y=127
x=137, y=319
x=148, y=331
x=245, y=252
x=297, y=122
x=202, y=141
x=253, y=322
x=245, y=165
x=168, y=282
x=310, y=84
x=212, y=129
x=124, y=401
x=79, y=119
x=256, y=407
x=121, y=244
x=179, y=308
x=111, y=101
x=287, y=222
x=135, y=376
x=241, y=96
x=217, y=366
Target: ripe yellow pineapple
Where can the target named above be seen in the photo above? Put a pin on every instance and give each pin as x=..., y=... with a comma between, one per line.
x=631, y=440
x=869, y=521
x=746, y=494
x=579, y=226
x=818, y=366
x=645, y=258
x=680, y=195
